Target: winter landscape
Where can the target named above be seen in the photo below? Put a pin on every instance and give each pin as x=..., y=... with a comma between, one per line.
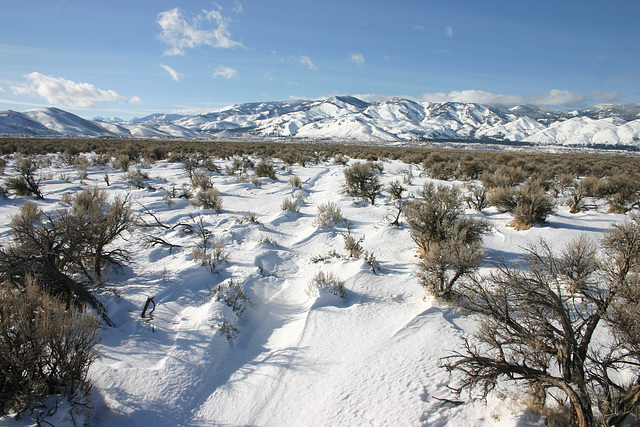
x=349, y=119
x=281, y=297
x=336, y=213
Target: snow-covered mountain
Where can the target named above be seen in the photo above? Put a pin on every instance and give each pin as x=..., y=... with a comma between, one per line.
x=346, y=118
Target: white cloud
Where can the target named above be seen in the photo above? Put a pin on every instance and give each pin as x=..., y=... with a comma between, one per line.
x=307, y=62
x=173, y=73
x=226, y=72
x=606, y=96
x=554, y=98
x=1, y=89
x=557, y=98
x=179, y=34
x=357, y=58
x=448, y=31
x=238, y=8
x=57, y=90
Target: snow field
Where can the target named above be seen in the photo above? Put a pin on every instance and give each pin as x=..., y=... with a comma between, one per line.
x=369, y=359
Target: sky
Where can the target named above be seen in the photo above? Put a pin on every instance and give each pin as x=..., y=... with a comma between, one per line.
x=132, y=58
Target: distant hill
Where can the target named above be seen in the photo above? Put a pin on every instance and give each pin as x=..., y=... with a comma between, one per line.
x=346, y=118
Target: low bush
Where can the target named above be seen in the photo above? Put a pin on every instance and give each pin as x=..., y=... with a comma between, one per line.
x=266, y=170
x=289, y=205
x=208, y=199
x=328, y=216
x=326, y=282
x=45, y=347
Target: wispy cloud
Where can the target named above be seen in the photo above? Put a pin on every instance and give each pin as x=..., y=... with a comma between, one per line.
x=237, y=7
x=226, y=72
x=180, y=34
x=57, y=90
x=173, y=73
x=554, y=98
x=448, y=31
x=1, y=89
x=606, y=96
x=307, y=62
x=357, y=58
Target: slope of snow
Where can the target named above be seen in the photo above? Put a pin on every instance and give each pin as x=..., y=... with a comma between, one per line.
x=345, y=117
x=66, y=123
x=300, y=358
x=13, y=122
x=584, y=131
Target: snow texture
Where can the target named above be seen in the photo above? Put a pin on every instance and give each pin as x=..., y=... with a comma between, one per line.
x=371, y=358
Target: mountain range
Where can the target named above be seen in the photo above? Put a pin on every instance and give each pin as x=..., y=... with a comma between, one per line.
x=347, y=119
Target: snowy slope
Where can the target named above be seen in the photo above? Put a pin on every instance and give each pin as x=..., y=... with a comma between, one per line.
x=15, y=123
x=349, y=118
x=584, y=131
x=66, y=123
x=299, y=359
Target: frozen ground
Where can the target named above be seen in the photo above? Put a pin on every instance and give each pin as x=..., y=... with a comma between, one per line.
x=298, y=360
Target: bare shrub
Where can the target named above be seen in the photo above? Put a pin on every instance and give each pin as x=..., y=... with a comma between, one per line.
x=250, y=217
x=137, y=177
x=201, y=179
x=82, y=165
x=540, y=321
x=233, y=295
x=265, y=169
x=362, y=181
x=448, y=241
x=339, y=159
x=289, y=205
x=45, y=347
x=208, y=199
x=295, y=182
x=445, y=263
x=620, y=191
x=352, y=245
x=123, y=161
x=529, y=204
x=256, y=181
x=326, y=282
x=27, y=183
x=438, y=214
x=396, y=189
x=477, y=198
x=61, y=248
x=328, y=215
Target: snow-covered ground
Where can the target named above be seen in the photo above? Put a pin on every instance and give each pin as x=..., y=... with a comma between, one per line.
x=298, y=360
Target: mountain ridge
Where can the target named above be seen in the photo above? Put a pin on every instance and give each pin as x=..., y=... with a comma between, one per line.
x=347, y=118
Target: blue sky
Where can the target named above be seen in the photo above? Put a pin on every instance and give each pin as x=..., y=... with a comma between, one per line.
x=135, y=57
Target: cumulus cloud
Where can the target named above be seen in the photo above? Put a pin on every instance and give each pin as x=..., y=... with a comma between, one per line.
x=180, y=34
x=307, y=62
x=557, y=98
x=173, y=73
x=448, y=31
x=357, y=58
x=226, y=72
x=554, y=98
x=606, y=96
x=57, y=90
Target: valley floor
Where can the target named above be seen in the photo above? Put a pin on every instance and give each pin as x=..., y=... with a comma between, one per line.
x=298, y=359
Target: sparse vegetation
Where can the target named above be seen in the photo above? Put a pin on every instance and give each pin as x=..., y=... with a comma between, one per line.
x=326, y=282
x=540, y=323
x=46, y=347
x=362, y=181
x=328, y=216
